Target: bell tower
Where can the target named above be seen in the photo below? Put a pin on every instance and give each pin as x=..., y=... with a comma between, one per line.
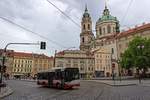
x=86, y=35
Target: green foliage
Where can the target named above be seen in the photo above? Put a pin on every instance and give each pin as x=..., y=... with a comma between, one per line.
x=137, y=54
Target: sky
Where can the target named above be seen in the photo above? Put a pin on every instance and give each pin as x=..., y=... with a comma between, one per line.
x=51, y=26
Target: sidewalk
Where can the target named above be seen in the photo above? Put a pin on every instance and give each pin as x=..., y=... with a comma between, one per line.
x=28, y=80
x=123, y=82
x=5, y=91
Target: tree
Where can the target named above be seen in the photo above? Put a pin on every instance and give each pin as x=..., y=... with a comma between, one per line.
x=137, y=55
x=126, y=61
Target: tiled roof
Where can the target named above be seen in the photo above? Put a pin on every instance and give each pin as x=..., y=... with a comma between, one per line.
x=126, y=33
x=11, y=53
x=8, y=52
x=22, y=54
x=134, y=30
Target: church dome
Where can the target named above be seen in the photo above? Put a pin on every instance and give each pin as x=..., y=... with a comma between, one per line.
x=107, y=17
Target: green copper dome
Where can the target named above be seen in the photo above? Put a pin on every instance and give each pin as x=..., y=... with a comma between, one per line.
x=107, y=17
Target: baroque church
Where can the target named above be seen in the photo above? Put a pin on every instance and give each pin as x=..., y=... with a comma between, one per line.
x=107, y=27
x=99, y=54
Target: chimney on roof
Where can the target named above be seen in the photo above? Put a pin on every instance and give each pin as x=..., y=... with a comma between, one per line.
x=122, y=30
x=136, y=26
x=129, y=28
x=143, y=23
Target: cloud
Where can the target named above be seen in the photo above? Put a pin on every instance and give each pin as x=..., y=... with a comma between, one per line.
x=44, y=19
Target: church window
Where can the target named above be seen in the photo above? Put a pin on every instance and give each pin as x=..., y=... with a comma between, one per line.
x=88, y=26
x=113, y=29
x=112, y=50
x=120, y=46
x=104, y=30
x=108, y=28
x=83, y=40
x=84, y=26
x=100, y=31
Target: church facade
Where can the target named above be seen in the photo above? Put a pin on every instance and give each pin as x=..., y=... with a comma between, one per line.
x=99, y=52
x=109, y=43
x=103, y=45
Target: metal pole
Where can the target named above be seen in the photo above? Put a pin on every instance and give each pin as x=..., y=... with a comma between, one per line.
x=3, y=64
x=4, y=56
x=119, y=70
x=55, y=57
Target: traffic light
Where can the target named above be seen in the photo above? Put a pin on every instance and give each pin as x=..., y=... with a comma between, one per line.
x=43, y=45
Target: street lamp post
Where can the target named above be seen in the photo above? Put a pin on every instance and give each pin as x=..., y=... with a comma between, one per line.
x=55, y=58
x=139, y=71
x=118, y=62
x=3, y=65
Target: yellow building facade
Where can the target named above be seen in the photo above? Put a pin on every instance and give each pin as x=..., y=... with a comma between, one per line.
x=29, y=64
x=22, y=64
x=103, y=63
x=76, y=59
x=41, y=62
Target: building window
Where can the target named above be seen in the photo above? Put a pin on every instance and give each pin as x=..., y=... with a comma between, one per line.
x=84, y=26
x=88, y=26
x=119, y=46
x=108, y=28
x=83, y=40
x=104, y=30
x=81, y=68
x=69, y=61
x=100, y=31
x=113, y=29
x=126, y=44
x=112, y=50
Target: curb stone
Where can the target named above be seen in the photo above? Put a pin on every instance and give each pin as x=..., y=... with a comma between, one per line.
x=115, y=85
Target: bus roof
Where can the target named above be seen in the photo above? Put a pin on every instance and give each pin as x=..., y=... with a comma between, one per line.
x=62, y=68
x=55, y=68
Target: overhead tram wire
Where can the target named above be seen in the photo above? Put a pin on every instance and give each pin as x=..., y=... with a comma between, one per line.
x=35, y=33
x=64, y=13
x=123, y=18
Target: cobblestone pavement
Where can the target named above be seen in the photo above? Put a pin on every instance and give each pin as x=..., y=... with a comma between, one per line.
x=88, y=91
